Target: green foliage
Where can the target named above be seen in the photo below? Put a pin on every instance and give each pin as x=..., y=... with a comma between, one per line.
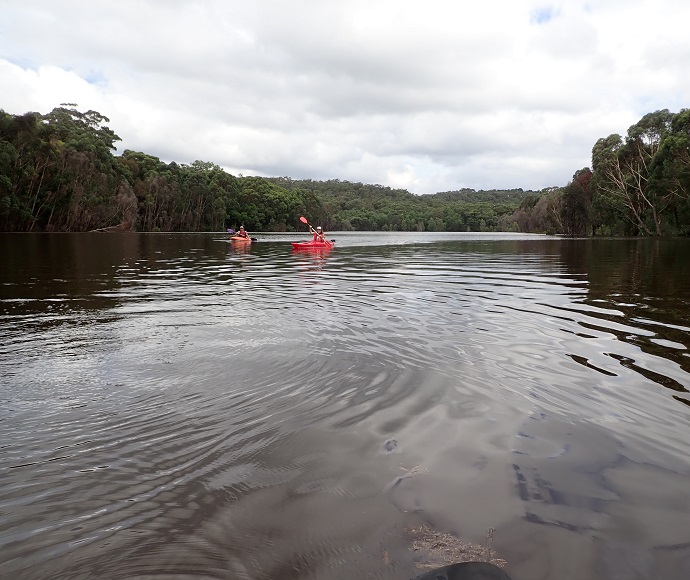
x=629, y=182
x=639, y=185
x=58, y=173
x=576, y=204
x=365, y=207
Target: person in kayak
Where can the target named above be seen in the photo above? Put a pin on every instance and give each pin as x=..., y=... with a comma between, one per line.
x=242, y=233
x=318, y=234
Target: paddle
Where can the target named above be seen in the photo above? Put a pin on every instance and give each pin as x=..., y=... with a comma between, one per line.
x=304, y=221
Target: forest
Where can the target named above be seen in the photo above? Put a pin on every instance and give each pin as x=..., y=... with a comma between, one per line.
x=59, y=172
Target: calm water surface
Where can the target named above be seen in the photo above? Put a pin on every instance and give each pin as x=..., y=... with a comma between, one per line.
x=171, y=406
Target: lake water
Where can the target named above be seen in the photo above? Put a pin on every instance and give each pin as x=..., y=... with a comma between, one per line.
x=172, y=406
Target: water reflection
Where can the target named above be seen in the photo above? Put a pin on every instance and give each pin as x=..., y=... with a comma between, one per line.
x=640, y=288
x=191, y=410
x=239, y=248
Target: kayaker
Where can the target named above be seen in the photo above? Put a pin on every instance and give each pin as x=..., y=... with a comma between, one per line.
x=318, y=234
x=242, y=233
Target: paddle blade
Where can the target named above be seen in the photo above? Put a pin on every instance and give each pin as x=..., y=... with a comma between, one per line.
x=303, y=219
x=230, y=231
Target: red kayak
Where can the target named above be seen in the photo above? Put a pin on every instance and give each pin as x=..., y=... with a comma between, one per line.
x=240, y=240
x=312, y=245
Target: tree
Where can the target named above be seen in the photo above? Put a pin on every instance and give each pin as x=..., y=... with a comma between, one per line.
x=622, y=170
x=576, y=204
x=671, y=171
x=58, y=173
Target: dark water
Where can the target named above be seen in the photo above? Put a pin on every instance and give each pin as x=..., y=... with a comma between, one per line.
x=173, y=407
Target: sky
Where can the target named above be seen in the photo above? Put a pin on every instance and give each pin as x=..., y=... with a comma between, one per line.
x=423, y=95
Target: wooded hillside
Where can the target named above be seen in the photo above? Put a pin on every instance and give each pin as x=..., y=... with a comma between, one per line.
x=59, y=172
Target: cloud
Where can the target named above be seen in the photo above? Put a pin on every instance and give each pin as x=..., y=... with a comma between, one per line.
x=428, y=96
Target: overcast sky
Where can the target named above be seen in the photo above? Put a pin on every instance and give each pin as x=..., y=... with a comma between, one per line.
x=426, y=95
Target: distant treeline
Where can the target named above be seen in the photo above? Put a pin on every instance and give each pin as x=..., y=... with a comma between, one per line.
x=58, y=172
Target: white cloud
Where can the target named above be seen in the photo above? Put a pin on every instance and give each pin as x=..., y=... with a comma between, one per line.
x=427, y=95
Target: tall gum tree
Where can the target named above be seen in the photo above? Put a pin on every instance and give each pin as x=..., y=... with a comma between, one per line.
x=672, y=168
x=622, y=171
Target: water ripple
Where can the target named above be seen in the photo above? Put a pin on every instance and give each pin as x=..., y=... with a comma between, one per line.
x=189, y=410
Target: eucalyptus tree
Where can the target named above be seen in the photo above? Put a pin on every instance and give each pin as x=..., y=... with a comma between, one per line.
x=85, y=178
x=25, y=158
x=622, y=171
x=672, y=168
x=576, y=204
